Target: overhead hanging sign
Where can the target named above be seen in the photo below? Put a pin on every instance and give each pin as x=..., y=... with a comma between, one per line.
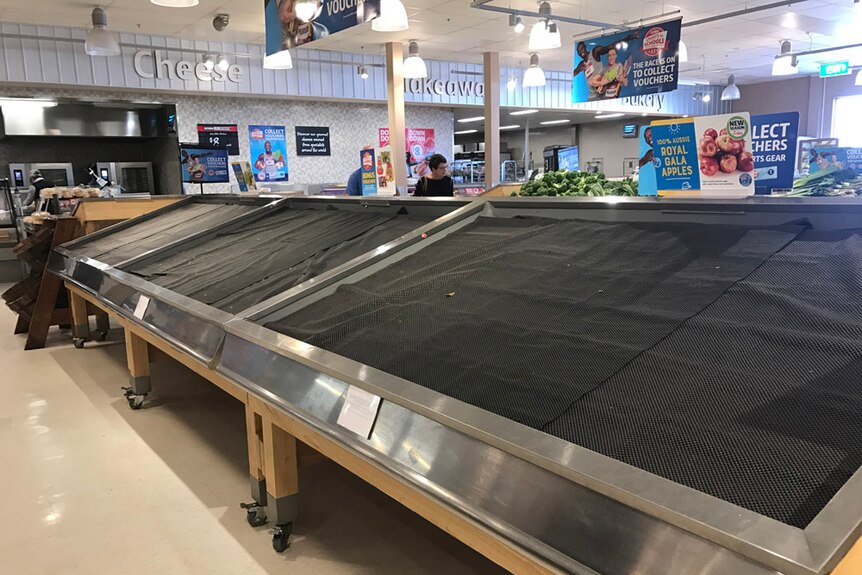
x=268, y=152
x=643, y=61
x=419, y=147
x=704, y=156
x=202, y=165
x=220, y=136
x=773, y=143
x=285, y=30
x=835, y=69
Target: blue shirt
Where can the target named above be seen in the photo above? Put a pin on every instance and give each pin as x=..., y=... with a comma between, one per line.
x=354, y=183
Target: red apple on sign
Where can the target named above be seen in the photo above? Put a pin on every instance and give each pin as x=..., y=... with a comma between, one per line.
x=708, y=166
x=745, y=162
x=710, y=133
x=737, y=146
x=725, y=144
x=708, y=147
x=728, y=163
x=723, y=131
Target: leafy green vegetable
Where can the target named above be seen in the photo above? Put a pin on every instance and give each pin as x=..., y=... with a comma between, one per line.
x=573, y=183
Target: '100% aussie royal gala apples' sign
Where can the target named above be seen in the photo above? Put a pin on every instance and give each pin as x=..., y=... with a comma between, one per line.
x=705, y=156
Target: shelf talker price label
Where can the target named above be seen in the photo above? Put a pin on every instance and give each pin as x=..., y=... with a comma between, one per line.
x=359, y=411
x=141, y=308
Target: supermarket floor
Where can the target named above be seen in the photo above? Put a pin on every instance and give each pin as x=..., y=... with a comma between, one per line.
x=89, y=486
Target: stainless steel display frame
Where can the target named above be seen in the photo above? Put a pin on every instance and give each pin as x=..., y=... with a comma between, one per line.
x=187, y=324
x=618, y=518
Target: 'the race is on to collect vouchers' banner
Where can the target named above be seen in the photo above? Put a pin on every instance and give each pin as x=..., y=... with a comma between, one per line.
x=285, y=30
x=642, y=61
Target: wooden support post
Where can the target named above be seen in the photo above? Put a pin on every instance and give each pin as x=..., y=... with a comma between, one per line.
x=282, y=477
x=80, y=319
x=138, y=358
x=395, y=102
x=254, y=436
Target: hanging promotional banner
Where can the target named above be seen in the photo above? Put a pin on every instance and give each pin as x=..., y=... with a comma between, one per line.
x=284, y=28
x=368, y=172
x=773, y=143
x=646, y=167
x=268, y=152
x=704, y=156
x=220, y=136
x=420, y=146
x=824, y=157
x=203, y=165
x=642, y=61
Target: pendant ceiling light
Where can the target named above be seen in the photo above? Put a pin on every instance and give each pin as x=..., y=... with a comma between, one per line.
x=516, y=24
x=363, y=72
x=176, y=3
x=534, y=76
x=414, y=65
x=278, y=61
x=731, y=92
x=307, y=9
x=223, y=64
x=209, y=62
x=544, y=35
x=683, y=52
x=99, y=41
x=393, y=17
x=785, y=63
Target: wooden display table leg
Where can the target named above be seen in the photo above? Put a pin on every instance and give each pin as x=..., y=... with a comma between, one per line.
x=274, y=473
x=256, y=510
x=80, y=319
x=22, y=325
x=103, y=324
x=138, y=358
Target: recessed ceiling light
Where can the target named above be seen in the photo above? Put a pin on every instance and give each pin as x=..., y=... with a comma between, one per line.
x=552, y=122
x=466, y=132
x=473, y=119
x=175, y=3
x=606, y=116
x=522, y=112
x=512, y=127
x=790, y=21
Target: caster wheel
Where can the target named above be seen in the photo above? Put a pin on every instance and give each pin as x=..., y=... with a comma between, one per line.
x=136, y=401
x=281, y=537
x=255, y=514
x=102, y=336
x=79, y=342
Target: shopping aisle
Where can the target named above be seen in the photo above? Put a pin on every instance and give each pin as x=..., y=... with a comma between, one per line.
x=89, y=486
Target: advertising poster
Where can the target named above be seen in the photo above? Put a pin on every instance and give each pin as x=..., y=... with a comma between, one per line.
x=704, y=156
x=368, y=172
x=244, y=177
x=385, y=172
x=646, y=168
x=821, y=158
x=220, y=136
x=285, y=30
x=268, y=153
x=773, y=143
x=204, y=165
x=420, y=146
x=642, y=61
x=312, y=141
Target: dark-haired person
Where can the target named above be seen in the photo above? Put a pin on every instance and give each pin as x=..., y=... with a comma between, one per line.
x=648, y=157
x=437, y=183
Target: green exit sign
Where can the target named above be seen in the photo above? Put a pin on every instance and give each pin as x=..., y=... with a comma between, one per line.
x=834, y=69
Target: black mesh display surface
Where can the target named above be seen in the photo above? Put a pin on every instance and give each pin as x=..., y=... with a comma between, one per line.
x=756, y=400
x=522, y=317
x=162, y=230
x=236, y=270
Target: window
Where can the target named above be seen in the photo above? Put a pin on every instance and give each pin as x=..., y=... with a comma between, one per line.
x=847, y=121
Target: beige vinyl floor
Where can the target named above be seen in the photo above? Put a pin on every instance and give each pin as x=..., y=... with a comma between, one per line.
x=88, y=486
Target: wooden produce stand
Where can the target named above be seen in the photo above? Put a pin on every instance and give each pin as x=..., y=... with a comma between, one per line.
x=38, y=299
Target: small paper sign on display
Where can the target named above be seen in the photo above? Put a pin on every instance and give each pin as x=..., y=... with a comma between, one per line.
x=141, y=307
x=359, y=411
x=707, y=156
x=244, y=176
x=368, y=172
x=204, y=165
x=642, y=61
x=219, y=136
x=312, y=141
x=773, y=143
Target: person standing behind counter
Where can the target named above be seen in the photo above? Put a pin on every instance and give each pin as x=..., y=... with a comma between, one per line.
x=437, y=183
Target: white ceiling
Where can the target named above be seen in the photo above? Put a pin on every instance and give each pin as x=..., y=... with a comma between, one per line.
x=452, y=30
